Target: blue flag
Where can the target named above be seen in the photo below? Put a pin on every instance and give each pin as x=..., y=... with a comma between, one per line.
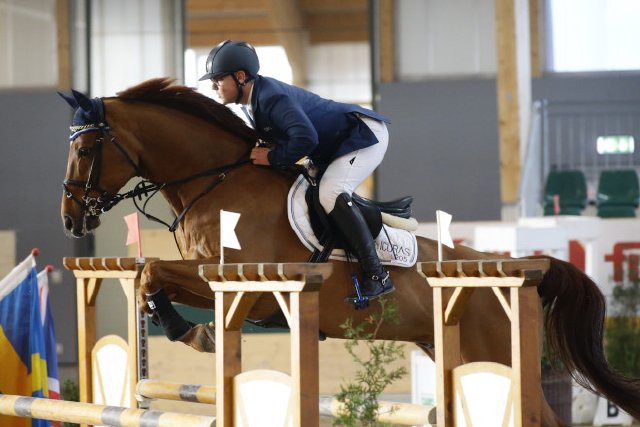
x=22, y=348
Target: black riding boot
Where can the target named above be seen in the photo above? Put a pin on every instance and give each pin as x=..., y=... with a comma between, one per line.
x=376, y=280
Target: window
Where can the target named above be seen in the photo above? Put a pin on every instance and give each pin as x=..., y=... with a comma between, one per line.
x=594, y=35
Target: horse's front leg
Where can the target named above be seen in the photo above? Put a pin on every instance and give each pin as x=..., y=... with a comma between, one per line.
x=165, y=281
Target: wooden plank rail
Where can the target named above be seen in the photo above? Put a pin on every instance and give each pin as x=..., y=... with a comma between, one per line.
x=87, y=413
x=477, y=274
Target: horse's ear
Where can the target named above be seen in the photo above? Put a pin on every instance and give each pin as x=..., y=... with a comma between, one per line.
x=83, y=101
x=71, y=101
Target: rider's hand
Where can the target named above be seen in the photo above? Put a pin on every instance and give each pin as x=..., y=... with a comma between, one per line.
x=259, y=156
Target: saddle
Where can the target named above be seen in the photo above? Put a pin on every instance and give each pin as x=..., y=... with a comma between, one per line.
x=326, y=232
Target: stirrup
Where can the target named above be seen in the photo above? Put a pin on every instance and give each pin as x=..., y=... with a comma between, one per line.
x=361, y=301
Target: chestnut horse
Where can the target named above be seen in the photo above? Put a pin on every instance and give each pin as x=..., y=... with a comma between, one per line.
x=195, y=152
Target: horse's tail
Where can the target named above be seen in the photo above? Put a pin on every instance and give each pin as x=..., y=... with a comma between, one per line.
x=575, y=312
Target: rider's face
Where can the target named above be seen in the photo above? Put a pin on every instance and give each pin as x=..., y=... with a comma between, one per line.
x=225, y=88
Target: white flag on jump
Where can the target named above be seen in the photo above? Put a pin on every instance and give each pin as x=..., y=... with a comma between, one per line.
x=444, y=236
x=228, y=221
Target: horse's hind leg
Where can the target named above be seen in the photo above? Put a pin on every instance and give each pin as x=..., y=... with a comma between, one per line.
x=166, y=281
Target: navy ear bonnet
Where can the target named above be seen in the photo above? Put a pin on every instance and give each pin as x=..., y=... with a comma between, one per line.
x=89, y=114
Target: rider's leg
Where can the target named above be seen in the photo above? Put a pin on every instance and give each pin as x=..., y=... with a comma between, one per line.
x=376, y=280
x=338, y=182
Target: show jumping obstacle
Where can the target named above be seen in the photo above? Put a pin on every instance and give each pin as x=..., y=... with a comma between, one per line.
x=454, y=283
x=295, y=286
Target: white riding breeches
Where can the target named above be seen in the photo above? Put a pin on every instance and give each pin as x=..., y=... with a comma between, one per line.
x=347, y=172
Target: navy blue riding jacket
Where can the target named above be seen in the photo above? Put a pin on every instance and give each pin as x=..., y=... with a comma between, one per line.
x=300, y=123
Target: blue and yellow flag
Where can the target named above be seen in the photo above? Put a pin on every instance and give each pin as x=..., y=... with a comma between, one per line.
x=50, y=342
x=22, y=348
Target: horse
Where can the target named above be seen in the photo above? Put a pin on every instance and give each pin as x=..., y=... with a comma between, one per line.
x=195, y=152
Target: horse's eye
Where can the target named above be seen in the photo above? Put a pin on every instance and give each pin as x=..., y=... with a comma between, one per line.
x=84, y=151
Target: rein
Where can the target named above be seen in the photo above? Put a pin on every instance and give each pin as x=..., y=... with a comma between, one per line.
x=94, y=206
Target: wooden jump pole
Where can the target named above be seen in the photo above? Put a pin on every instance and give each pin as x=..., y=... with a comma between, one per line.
x=453, y=283
x=296, y=288
x=87, y=413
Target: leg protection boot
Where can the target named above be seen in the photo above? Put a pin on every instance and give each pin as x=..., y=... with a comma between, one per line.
x=376, y=280
x=173, y=324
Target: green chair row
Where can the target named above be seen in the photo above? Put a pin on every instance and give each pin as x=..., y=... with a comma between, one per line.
x=618, y=193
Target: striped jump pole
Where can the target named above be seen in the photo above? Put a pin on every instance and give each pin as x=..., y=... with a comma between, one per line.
x=154, y=389
x=87, y=413
x=397, y=413
x=403, y=414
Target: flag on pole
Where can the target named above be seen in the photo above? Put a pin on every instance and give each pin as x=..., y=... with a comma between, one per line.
x=48, y=328
x=228, y=238
x=22, y=348
x=133, y=231
x=444, y=236
x=228, y=221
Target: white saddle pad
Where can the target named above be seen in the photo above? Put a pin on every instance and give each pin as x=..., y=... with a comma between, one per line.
x=394, y=246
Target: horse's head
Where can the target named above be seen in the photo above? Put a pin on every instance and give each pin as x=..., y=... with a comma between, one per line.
x=97, y=168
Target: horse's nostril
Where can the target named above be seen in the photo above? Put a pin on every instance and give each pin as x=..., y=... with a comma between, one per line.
x=68, y=222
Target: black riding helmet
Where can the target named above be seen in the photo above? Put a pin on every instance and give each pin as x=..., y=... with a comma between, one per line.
x=229, y=57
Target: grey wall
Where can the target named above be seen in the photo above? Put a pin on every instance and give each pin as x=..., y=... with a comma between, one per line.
x=444, y=138
x=34, y=140
x=443, y=148
x=590, y=87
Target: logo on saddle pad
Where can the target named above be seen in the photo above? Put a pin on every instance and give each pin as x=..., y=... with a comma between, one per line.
x=394, y=246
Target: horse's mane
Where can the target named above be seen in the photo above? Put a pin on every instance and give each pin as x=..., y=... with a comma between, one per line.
x=163, y=91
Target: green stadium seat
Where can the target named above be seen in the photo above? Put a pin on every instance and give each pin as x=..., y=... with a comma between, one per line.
x=571, y=187
x=618, y=193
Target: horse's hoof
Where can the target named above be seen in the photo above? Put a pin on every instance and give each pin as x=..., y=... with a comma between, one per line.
x=201, y=337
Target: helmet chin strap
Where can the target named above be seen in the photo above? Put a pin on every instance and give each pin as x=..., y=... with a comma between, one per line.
x=240, y=85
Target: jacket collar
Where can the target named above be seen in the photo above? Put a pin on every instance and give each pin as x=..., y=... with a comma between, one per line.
x=255, y=93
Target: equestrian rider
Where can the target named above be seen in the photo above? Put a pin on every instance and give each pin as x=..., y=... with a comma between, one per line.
x=345, y=140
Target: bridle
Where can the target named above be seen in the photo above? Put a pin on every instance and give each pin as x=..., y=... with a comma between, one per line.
x=102, y=200
x=95, y=205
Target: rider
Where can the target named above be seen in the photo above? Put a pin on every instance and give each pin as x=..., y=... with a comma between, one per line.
x=345, y=140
